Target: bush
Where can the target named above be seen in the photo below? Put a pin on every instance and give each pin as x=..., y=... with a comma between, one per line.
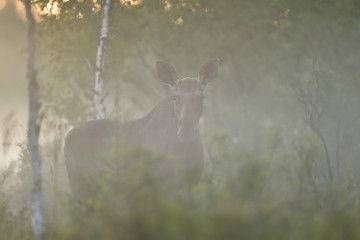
x=14, y=226
x=243, y=201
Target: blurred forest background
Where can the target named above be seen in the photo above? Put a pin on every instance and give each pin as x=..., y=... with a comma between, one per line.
x=281, y=126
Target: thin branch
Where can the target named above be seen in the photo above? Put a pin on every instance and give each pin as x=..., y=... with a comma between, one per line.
x=91, y=19
x=309, y=96
x=90, y=66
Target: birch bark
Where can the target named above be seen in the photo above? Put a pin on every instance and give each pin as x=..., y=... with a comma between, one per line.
x=100, y=57
x=33, y=131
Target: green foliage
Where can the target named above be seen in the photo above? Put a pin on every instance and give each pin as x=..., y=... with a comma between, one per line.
x=278, y=195
x=252, y=198
x=14, y=226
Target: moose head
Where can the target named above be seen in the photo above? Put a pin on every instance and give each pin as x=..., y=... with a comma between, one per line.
x=188, y=95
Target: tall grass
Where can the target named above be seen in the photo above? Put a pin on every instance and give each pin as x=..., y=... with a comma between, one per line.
x=279, y=194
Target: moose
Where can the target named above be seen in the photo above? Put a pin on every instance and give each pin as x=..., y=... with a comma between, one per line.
x=169, y=129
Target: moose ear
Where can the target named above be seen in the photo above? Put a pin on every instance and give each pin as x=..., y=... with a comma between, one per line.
x=208, y=71
x=166, y=72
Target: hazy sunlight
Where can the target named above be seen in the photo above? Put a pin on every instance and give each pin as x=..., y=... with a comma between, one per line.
x=2, y=4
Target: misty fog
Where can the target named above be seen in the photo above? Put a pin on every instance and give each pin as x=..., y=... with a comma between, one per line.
x=280, y=125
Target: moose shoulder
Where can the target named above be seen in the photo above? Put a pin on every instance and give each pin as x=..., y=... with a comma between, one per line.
x=170, y=128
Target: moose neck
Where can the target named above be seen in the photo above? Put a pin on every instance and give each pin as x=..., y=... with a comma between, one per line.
x=160, y=126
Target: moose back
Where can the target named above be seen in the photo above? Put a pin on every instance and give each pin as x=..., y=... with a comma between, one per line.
x=169, y=129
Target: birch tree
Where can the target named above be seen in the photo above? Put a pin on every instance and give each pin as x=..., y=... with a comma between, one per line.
x=33, y=130
x=100, y=57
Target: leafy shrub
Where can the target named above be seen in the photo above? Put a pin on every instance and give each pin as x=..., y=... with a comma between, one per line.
x=14, y=226
x=243, y=200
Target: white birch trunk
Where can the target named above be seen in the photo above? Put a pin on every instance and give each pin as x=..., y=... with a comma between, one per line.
x=33, y=131
x=100, y=57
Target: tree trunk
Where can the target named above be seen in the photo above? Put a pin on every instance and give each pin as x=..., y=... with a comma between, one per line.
x=100, y=57
x=33, y=131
